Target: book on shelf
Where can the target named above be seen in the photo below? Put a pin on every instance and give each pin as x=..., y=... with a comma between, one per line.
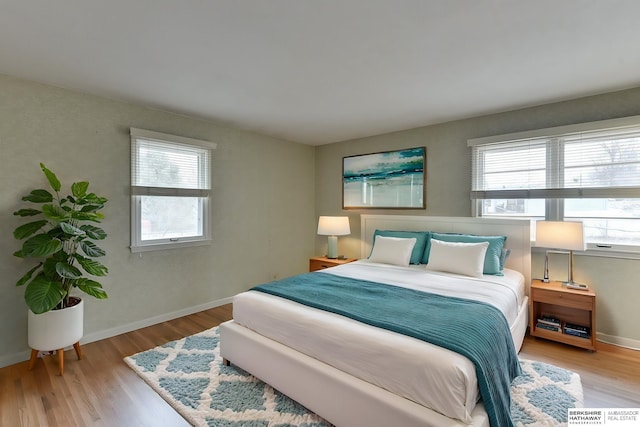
x=576, y=330
x=551, y=321
x=576, y=333
x=548, y=327
x=576, y=327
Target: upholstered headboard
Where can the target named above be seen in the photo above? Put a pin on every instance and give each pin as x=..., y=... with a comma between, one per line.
x=518, y=233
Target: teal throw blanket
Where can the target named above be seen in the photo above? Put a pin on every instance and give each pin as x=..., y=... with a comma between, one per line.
x=473, y=329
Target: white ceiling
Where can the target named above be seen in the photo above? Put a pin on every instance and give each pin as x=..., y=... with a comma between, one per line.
x=326, y=70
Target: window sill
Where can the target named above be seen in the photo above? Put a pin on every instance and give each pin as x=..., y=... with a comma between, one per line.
x=597, y=252
x=169, y=245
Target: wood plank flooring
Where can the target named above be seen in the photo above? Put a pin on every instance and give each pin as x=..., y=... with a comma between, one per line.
x=101, y=390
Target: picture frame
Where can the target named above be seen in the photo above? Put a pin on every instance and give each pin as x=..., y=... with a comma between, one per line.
x=385, y=180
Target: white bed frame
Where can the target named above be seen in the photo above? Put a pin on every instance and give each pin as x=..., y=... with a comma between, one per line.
x=341, y=398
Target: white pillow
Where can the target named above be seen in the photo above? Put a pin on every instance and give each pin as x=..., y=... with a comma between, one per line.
x=458, y=258
x=392, y=250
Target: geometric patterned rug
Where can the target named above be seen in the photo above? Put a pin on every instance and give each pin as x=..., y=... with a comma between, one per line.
x=542, y=395
x=189, y=374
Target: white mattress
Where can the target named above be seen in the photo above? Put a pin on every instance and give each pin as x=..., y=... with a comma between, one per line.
x=429, y=375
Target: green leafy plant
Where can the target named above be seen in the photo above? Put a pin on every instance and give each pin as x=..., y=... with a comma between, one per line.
x=63, y=242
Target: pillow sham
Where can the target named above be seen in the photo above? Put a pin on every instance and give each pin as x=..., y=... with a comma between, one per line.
x=492, y=257
x=421, y=241
x=392, y=250
x=456, y=257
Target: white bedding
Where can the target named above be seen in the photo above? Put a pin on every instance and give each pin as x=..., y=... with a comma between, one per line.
x=429, y=375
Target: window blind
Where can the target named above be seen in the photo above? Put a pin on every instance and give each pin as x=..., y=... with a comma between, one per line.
x=602, y=163
x=162, y=168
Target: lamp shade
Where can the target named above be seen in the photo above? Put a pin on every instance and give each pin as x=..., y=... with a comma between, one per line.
x=567, y=235
x=334, y=226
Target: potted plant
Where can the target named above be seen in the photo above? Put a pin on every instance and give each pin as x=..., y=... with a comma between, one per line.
x=61, y=240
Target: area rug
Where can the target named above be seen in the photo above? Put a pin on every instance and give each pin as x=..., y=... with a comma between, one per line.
x=190, y=376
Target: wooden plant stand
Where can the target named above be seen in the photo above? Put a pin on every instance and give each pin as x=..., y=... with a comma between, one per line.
x=60, y=352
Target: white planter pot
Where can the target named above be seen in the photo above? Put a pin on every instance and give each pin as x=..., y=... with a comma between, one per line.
x=56, y=329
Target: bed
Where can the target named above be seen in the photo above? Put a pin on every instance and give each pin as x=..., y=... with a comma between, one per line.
x=357, y=374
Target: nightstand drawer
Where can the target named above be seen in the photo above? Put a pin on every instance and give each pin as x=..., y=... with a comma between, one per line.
x=320, y=263
x=565, y=299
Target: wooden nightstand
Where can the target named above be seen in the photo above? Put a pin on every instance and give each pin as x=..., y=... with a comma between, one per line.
x=568, y=306
x=321, y=262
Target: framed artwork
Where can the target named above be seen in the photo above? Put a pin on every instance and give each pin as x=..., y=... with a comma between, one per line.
x=386, y=180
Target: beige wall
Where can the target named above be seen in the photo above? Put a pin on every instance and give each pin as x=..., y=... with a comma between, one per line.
x=263, y=206
x=448, y=185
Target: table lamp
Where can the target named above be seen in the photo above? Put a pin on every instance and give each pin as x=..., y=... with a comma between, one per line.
x=333, y=226
x=564, y=235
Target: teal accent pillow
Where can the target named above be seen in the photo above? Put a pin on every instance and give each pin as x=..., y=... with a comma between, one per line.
x=427, y=248
x=492, y=258
x=420, y=236
x=503, y=257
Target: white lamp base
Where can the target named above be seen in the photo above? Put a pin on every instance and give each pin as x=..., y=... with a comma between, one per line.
x=332, y=250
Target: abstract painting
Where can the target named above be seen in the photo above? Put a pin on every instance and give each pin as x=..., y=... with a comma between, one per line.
x=386, y=180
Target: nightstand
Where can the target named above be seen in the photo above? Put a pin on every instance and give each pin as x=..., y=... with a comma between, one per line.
x=321, y=262
x=573, y=309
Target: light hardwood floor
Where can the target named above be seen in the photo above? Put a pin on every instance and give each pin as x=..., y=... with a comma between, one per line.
x=101, y=390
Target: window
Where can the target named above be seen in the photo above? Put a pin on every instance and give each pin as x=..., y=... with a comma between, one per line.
x=170, y=191
x=588, y=172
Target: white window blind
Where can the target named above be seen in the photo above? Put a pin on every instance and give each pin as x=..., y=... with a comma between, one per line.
x=161, y=168
x=588, y=172
x=170, y=186
x=585, y=165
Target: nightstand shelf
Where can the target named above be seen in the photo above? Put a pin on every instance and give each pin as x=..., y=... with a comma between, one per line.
x=321, y=262
x=568, y=306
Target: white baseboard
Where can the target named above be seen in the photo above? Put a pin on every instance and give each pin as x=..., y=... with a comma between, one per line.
x=122, y=329
x=21, y=356
x=619, y=341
